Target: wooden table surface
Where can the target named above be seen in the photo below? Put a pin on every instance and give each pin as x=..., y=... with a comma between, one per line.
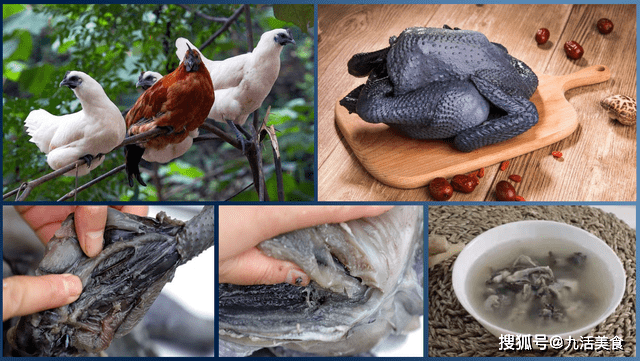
x=599, y=157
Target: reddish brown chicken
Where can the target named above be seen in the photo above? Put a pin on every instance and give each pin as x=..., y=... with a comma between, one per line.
x=179, y=102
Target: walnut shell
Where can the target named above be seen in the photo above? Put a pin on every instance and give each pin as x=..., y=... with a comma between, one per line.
x=621, y=107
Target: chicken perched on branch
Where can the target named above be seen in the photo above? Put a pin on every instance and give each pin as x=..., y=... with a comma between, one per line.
x=178, y=102
x=145, y=81
x=242, y=82
x=170, y=151
x=88, y=134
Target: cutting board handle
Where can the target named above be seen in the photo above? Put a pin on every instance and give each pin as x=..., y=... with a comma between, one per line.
x=587, y=76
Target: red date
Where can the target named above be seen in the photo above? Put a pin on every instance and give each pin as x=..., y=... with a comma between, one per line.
x=464, y=183
x=605, y=26
x=573, y=50
x=505, y=191
x=474, y=177
x=542, y=35
x=440, y=189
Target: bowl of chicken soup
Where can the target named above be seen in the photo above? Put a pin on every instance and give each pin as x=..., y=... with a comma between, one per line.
x=538, y=278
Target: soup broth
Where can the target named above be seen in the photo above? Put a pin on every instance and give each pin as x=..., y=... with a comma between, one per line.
x=549, y=289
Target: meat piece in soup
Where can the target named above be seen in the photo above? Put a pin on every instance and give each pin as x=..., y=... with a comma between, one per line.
x=540, y=293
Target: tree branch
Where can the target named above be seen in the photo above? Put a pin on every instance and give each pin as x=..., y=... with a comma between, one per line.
x=25, y=189
x=222, y=134
x=247, y=17
x=156, y=179
x=205, y=137
x=204, y=16
x=74, y=192
x=224, y=27
x=142, y=137
x=276, y=159
x=238, y=192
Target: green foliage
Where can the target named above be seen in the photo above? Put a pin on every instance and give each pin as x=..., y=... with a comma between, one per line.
x=19, y=47
x=114, y=43
x=184, y=169
x=11, y=9
x=301, y=15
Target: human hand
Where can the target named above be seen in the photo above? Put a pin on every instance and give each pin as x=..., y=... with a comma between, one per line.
x=23, y=295
x=89, y=220
x=243, y=227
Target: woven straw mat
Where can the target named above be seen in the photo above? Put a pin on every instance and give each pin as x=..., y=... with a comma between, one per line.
x=454, y=332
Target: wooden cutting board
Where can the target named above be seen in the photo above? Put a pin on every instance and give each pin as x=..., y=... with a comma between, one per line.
x=402, y=162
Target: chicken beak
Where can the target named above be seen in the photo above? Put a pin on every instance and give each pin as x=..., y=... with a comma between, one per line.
x=72, y=83
x=140, y=81
x=291, y=37
x=191, y=60
x=283, y=39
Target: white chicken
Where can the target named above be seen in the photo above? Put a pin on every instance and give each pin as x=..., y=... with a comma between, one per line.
x=90, y=133
x=241, y=83
x=171, y=151
x=147, y=79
